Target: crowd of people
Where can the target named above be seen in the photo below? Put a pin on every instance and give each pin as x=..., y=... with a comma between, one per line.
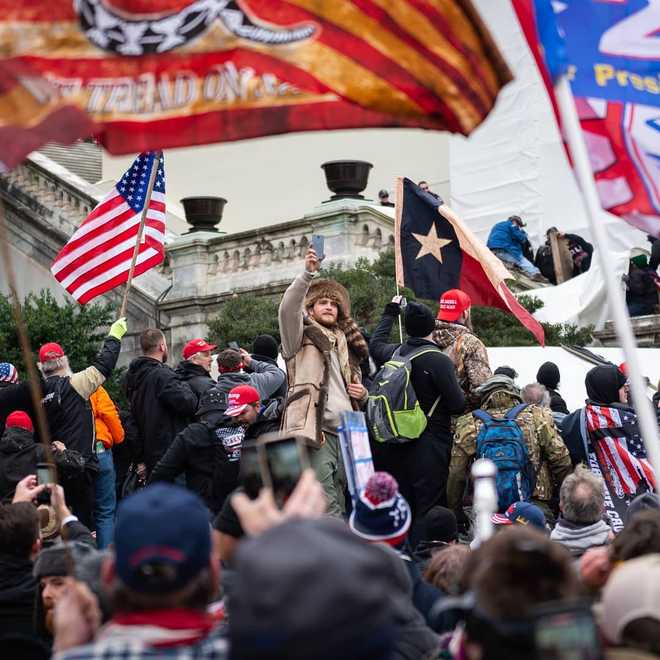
x=197, y=562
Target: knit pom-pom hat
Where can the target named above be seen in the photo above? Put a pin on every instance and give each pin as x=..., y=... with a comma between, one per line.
x=381, y=513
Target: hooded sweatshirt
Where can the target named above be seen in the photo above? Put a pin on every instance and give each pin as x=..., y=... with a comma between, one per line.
x=578, y=538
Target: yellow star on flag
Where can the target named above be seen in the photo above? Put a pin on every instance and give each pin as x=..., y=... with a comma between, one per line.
x=431, y=244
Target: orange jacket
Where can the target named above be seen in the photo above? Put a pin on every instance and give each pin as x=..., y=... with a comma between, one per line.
x=108, y=426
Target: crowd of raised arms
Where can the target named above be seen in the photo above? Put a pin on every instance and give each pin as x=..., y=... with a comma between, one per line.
x=174, y=528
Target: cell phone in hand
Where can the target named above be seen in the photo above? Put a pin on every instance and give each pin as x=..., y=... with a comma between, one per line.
x=282, y=459
x=318, y=243
x=250, y=474
x=45, y=476
x=567, y=631
x=234, y=345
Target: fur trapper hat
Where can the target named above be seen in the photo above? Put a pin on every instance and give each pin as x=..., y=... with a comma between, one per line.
x=329, y=289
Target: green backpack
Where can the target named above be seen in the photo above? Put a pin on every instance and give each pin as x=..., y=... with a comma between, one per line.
x=393, y=411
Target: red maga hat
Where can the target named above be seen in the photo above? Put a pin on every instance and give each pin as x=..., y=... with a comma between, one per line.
x=50, y=351
x=452, y=304
x=196, y=346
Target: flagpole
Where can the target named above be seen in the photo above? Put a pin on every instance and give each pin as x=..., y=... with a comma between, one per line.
x=647, y=422
x=136, y=250
x=398, y=265
x=23, y=340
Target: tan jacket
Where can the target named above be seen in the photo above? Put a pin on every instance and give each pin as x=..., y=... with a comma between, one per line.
x=316, y=394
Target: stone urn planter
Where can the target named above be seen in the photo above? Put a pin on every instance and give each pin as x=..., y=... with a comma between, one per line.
x=347, y=178
x=203, y=213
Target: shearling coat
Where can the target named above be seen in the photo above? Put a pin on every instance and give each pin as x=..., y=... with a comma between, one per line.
x=316, y=394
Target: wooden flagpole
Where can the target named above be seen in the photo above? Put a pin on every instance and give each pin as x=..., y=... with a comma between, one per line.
x=136, y=250
x=23, y=340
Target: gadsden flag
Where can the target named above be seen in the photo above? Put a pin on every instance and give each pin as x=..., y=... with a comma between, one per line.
x=170, y=73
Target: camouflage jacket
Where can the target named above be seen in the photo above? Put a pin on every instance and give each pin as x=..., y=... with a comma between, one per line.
x=547, y=451
x=469, y=356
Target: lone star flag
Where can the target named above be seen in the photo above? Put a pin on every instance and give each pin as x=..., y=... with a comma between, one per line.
x=436, y=252
x=170, y=73
x=98, y=256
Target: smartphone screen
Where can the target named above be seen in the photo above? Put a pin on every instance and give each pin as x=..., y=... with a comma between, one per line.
x=45, y=473
x=567, y=635
x=318, y=243
x=250, y=475
x=282, y=466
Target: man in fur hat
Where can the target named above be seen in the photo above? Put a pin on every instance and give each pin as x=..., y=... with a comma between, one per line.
x=323, y=348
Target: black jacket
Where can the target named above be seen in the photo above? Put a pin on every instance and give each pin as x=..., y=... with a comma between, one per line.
x=18, y=588
x=210, y=458
x=432, y=375
x=557, y=403
x=196, y=376
x=66, y=401
x=161, y=406
x=19, y=455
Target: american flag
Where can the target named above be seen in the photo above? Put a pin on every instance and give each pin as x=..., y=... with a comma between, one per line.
x=620, y=449
x=98, y=256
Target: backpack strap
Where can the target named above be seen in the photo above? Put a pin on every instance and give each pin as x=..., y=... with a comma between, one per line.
x=483, y=416
x=515, y=411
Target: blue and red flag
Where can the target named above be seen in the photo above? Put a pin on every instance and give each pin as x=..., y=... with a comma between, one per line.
x=611, y=54
x=436, y=251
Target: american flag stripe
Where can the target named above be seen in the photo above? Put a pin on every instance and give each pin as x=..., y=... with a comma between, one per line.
x=146, y=261
x=98, y=256
x=616, y=461
x=113, y=253
x=100, y=244
x=649, y=474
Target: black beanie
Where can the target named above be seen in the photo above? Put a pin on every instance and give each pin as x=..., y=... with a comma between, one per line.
x=548, y=375
x=265, y=345
x=419, y=320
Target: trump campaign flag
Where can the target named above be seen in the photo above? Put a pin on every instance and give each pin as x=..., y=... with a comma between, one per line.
x=436, y=251
x=170, y=73
x=98, y=256
x=611, y=54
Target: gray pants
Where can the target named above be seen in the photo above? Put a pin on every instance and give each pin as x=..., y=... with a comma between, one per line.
x=329, y=468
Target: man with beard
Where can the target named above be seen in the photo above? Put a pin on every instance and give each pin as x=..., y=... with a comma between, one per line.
x=209, y=450
x=323, y=349
x=453, y=333
x=161, y=404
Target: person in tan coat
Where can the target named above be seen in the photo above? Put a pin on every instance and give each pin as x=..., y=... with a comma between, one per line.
x=109, y=432
x=322, y=347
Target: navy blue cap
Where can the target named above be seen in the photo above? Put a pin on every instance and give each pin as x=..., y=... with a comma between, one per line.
x=521, y=513
x=162, y=539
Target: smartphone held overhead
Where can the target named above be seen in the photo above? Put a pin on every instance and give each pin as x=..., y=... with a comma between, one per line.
x=318, y=243
x=45, y=476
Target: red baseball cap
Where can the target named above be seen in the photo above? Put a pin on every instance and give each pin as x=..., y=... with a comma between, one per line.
x=196, y=346
x=50, y=351
x=19, y=419
x=240, y=398
x=452, y=304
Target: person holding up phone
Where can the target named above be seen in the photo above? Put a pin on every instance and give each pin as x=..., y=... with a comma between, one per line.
x=323, y=348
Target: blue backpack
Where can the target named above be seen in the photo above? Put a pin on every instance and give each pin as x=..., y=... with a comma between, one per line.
x=502, y=441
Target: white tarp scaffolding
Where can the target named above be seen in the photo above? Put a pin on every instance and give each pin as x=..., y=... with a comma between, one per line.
x=515, y=163
x=527, y=359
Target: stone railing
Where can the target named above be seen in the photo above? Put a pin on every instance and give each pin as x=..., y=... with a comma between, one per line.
x=209, y=265
x=64, y=197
